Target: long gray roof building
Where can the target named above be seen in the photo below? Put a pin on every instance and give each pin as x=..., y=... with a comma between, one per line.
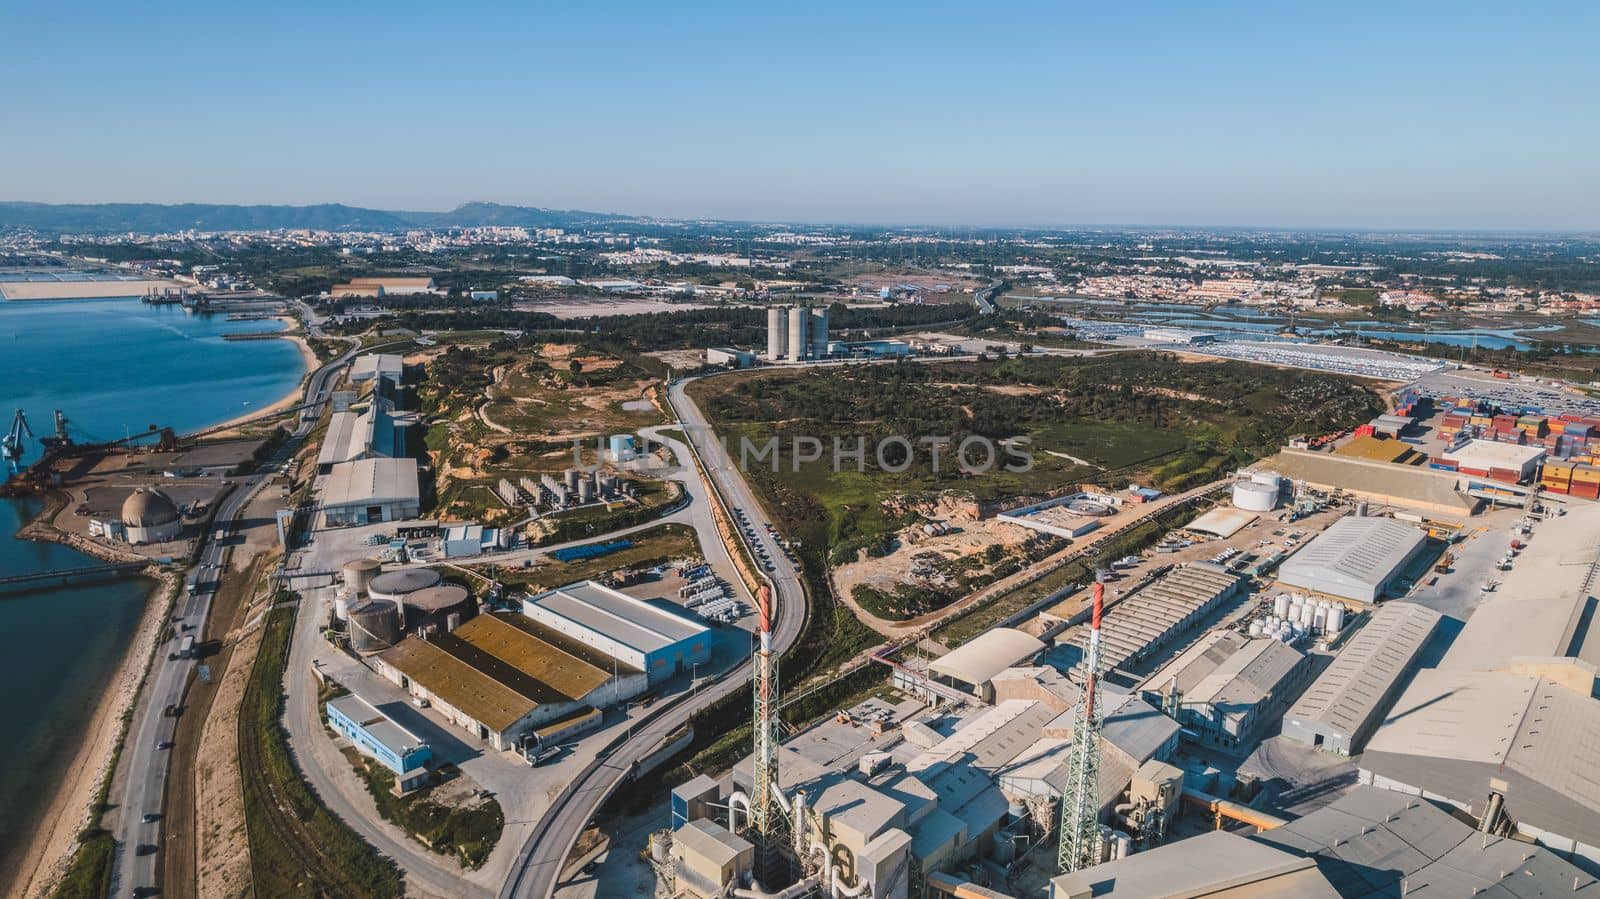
x=1357, y=558
x=1342, y=706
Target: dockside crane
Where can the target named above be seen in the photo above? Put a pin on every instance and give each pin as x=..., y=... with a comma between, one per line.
x=11, y=447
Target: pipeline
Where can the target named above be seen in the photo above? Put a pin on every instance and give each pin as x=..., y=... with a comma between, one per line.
x=1234, y=811
x=789, y=892
x=737, y=799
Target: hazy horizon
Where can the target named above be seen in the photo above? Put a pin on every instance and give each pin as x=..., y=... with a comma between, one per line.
x=1430, y=117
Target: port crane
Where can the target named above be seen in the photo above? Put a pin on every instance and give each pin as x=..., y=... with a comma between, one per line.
x=11, y=445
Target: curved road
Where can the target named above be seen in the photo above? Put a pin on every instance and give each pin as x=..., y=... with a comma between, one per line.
x=537, y=870
x=141, y=778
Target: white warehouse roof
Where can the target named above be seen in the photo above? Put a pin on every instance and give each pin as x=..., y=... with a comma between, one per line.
x=1354, y=558
x=371, y=482
x=986, y=655
x=631, y=622
x=1487, y=454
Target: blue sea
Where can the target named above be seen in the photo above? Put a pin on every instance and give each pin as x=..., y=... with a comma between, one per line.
x=114, y=367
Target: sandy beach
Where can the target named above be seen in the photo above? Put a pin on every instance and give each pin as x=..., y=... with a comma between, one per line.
x=21, y=291
x=308, y=358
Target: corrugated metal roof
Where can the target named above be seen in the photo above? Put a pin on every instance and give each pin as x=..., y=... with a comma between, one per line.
x=371, y=481
x=629, y=621
x=1350, y=690
x=1353, y=554
x=986, y=655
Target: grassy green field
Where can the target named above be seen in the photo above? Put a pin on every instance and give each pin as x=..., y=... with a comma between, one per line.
x=650, y=547
x=1142, y=417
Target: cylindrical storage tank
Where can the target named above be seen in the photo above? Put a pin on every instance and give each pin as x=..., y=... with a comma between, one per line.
x=374, y=625
x=393, y=585
x=358, y=573
x=573, y=476
x=1256, y=629
x=797, y=333
x=1253, y=497
x=433, y=605
x=661, y=846
x=1319, y=621
x=1308, y=615
x=586, y=491
x=1335, y=620
x=819, y=332
x=777, y=332
x=341, y=605
x=1280, y=605
x=452, y=621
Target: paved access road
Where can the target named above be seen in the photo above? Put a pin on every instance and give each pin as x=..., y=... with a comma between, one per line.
x=537, y=870
x=142, y=772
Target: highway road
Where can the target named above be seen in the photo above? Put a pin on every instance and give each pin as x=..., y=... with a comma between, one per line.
x=537, y=870
x=142, y=777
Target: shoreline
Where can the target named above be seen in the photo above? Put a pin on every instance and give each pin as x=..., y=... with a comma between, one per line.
x=308, y=359
x=73, y=808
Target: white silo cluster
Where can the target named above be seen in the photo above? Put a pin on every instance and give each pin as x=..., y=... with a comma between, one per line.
x=796, y=333
x=1295, y=617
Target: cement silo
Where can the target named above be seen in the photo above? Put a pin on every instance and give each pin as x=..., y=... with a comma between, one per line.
x=797, y=333
x=1254, y=497
x=573, y=475
x=777, y=332
x=396, y=585
x=586, y=491
x=358, y=575
x=818, y=347
x=374, y=625
x=435, y=606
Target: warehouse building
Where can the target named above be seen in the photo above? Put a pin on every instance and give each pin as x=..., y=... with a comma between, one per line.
x=1227, y=688
x=503, y=677
x=369, y=491
x=372, y=433
x=379, y=737
x=629, y=630
x=1357, y=558
x=1342, y=707
x=387, y=366
x=706, y=857
x=1144, y=623
x=1507, y=462
x=1367, y=844
x=972, y=666
x=1478, y=739
x=1437, y=494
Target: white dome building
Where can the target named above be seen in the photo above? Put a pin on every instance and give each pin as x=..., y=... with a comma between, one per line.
x=150, y=516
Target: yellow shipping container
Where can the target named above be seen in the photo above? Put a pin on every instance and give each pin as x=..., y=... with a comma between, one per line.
x=1586, y=475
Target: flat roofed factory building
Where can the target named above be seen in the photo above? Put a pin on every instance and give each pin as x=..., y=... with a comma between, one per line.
x=502, y=676
x=630, y=630
x=378, y=736
x=368, y=491
x=1342, y=706
x=1357, y=558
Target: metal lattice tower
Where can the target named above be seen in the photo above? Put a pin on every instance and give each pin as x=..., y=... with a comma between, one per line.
x=1080, y=821
x=765, y=804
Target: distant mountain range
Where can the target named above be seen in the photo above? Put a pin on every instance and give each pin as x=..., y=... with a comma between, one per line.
x=154, y=218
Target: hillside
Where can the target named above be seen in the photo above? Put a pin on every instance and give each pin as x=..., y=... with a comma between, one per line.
x=150, y=218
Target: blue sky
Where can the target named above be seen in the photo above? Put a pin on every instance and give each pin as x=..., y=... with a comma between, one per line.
x=1384, y=115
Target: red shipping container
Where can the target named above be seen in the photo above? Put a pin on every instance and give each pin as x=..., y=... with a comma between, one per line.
x=1585, y=490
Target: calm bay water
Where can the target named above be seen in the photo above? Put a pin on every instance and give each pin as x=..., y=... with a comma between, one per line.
x=113, y=366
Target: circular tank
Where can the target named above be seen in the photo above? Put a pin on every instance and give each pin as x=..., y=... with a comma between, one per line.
x=1320, y=619
x=358, y=573
x=586, y=491
x=392, y=585
x=341, y=605
x=1267, y=478
x=434, y=605
x=1255, y=497
x=572, y=476
x=1257, y=629
x=374, y=625
x=1335, y=620
x=1308, y=614
x=1280, y=605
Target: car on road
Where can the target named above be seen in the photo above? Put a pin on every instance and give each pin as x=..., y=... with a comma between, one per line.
x=163, y=744
x=151, y=817
x=145, y=849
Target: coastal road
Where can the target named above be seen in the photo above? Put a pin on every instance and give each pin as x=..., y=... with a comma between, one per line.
x=536, y=873
x=142, y=778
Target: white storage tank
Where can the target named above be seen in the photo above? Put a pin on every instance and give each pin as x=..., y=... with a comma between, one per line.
x=1308, y=615
x=341, y=605
x=1335, y=620
x=1254, y=497
x=1280, y=605
x=1319, y=621
x=1256, y=629
x=358, y=573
